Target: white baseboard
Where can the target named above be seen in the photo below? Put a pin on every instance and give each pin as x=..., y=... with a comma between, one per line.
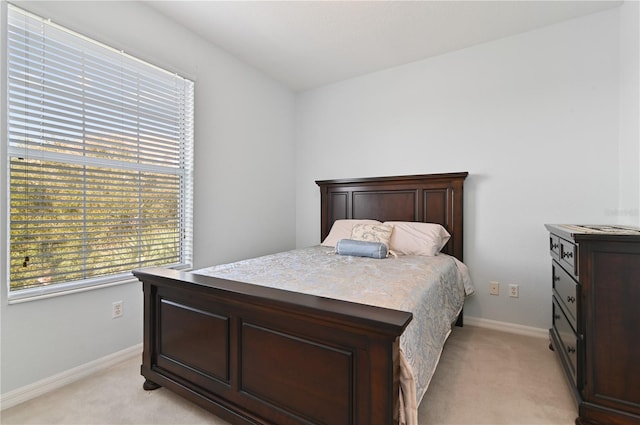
x=506, y=327
x=20, y=395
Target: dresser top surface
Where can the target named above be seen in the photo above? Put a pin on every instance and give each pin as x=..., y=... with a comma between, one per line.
x=598, y=231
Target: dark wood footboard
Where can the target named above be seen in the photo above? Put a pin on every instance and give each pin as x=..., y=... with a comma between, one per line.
x=258, y=355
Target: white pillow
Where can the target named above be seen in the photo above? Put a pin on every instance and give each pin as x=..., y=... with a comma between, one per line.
x=372, y=232
x=341, y=229
x=416, y=238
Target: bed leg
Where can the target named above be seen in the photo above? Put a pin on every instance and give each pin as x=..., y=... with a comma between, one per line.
x=150, y=385
x=460, y=320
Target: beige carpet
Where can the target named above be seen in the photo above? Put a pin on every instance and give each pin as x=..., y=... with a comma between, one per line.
x=484, y=377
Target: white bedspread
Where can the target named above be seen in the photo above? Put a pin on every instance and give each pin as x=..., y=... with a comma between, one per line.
x=432, y=288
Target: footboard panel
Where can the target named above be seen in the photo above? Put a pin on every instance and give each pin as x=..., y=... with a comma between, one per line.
x=192, y=342
x=298, y=384
x=259, y=355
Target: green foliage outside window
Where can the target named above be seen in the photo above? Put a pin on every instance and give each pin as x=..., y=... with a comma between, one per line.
x=73, y=222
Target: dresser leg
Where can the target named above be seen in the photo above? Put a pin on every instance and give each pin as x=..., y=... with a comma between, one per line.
x=150, y=385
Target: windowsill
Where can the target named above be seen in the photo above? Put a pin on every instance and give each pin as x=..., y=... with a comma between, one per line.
x=31, y=295
x=42, y=293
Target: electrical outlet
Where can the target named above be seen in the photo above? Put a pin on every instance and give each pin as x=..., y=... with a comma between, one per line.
x=116, y=309
x=494, y=288
x=514, y=291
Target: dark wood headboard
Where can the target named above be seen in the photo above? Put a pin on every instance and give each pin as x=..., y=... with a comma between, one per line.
x=429, y=198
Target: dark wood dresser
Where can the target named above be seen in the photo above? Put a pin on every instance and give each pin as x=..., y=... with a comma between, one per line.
x=596, y=318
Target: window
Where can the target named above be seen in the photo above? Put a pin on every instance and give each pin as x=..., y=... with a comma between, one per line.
x=100, y=157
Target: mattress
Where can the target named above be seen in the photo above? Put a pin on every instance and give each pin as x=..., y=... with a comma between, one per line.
x=432, y=288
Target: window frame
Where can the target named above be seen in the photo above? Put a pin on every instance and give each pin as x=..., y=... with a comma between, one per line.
x=7, y=152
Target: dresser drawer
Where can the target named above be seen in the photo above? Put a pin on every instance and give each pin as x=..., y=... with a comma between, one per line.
x=568, y=255
x=554, y=246
x=568, y=340
x=566, y=291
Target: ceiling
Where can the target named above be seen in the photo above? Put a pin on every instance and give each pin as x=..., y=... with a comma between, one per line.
x=307, y=44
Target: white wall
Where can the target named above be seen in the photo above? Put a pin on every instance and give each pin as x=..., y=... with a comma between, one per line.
x=628, y=211
x=244, y=190
x=535, y=120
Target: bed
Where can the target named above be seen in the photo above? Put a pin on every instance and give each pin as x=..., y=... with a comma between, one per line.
x=256, y=354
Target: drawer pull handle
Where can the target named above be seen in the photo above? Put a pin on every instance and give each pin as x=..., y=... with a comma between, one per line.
x=571, y=350
x=554, y=246
x=567, y=255
x=571, y=299
x=556, y=278
x=556, y=316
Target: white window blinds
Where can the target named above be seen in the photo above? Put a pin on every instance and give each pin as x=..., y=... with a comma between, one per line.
x=100, y=150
